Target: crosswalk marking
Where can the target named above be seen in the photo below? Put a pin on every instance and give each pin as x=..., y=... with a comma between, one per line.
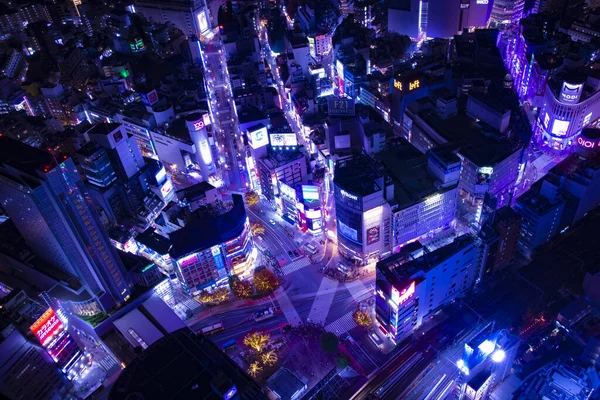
x=107, y=363
x=295, y=265
x=320, y=307
x=287, y=307
x=342, y=324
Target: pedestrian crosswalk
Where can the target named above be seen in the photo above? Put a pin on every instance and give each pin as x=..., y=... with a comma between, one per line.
x=287, y=307
x=358, y=290
x=107, y=363
x=295, y=265
x=189, y=303
x=322, y=303
x=342, y=324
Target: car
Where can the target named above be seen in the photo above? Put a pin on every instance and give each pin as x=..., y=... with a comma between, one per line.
x=290, y=253
x=296, y=253
x=272, y=222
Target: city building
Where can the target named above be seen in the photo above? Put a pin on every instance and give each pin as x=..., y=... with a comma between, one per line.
x=557, y=379
x=205, y=258
x=541, y=210
x=499, y=238
x=52, y=210
x=191, y=358
x=287, y=166
x=489, y=159
x=28, y=371
x=363, y=219
x=506, y=12
x=286, y=385
x=416, y=283
x=423, y=190
x=192, y=17
x=571, y=103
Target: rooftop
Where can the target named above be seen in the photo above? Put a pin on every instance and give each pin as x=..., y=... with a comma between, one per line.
x=183, y=365
x=209, y=230
x=25, y=158
x=103, y=128
x=154, y=241
x=285, y=384
x=196, y=191
x=357, y=175
x=482, y=146
x=407, y=167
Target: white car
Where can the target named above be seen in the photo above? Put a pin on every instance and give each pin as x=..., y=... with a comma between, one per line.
x=272, y=222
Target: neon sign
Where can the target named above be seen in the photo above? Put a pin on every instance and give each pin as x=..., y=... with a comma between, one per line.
x=198, y=125
x=482, y=2
x=47, y=327
x=398, y=85
x=348, y=195
x=414, y=85
x=400, y=297
x=586, y=143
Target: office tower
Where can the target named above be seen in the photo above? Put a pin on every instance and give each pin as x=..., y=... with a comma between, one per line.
x=414, y=284
x=190, y=16
x=51, y=208
x=506, y=12
x=362, y=214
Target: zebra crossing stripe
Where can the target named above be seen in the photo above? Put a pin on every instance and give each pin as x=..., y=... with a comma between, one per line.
x=342, y=324
x=295, y=266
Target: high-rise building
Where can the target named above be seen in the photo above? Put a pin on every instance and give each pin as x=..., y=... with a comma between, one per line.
x=50, y=206
x=541, y=210
x=415, y=284
x=362, y=214
x=506, y=12
x=190, y=16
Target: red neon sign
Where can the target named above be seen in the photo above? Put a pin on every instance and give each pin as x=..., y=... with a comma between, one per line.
x=47, y=327
x=198, y=125
x=586, y=143
x=401, y=297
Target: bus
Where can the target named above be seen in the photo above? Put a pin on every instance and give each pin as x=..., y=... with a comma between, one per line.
x=228, y=345
x=311, y=249
x=212, y=329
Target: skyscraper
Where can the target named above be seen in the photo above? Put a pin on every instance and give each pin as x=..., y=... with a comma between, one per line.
x=50, y=206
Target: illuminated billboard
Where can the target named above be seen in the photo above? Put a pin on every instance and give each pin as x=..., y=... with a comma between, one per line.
x=559, y=127
x=202, y=22
x=310, y=192
x=340, y=107
x=166, y=188
x=47, y=327
x=313, y=214
x=571, y=93
x=160, y=175
x=287, y=191
x=283, y=139
x=347, y=232
x=372, y=235
x=399, y=297
x=258, y=138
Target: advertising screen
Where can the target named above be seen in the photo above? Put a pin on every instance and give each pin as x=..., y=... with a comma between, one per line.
x=571, y=93
x=202, y=23
x=161, y=175
x=587, y=119
x=372, y=235
x=400, y=297
x=283, y=139
x=259, y=138
x=310, y=192
x=166, y=189
x=340, y=107
x=287, y=191
x=347, y=232
x=47, y=327
x=313, y=214
x=560, y=127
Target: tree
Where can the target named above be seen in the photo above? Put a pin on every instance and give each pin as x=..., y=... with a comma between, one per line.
x=362, y=318
x=269, y=358
x=265, y=281
x=257, y=340
x=242, y=289
x=219, y=295
x=342, y=361
x=328, y=342
x=257, y=228
x=254, y=369
x=251, y=198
